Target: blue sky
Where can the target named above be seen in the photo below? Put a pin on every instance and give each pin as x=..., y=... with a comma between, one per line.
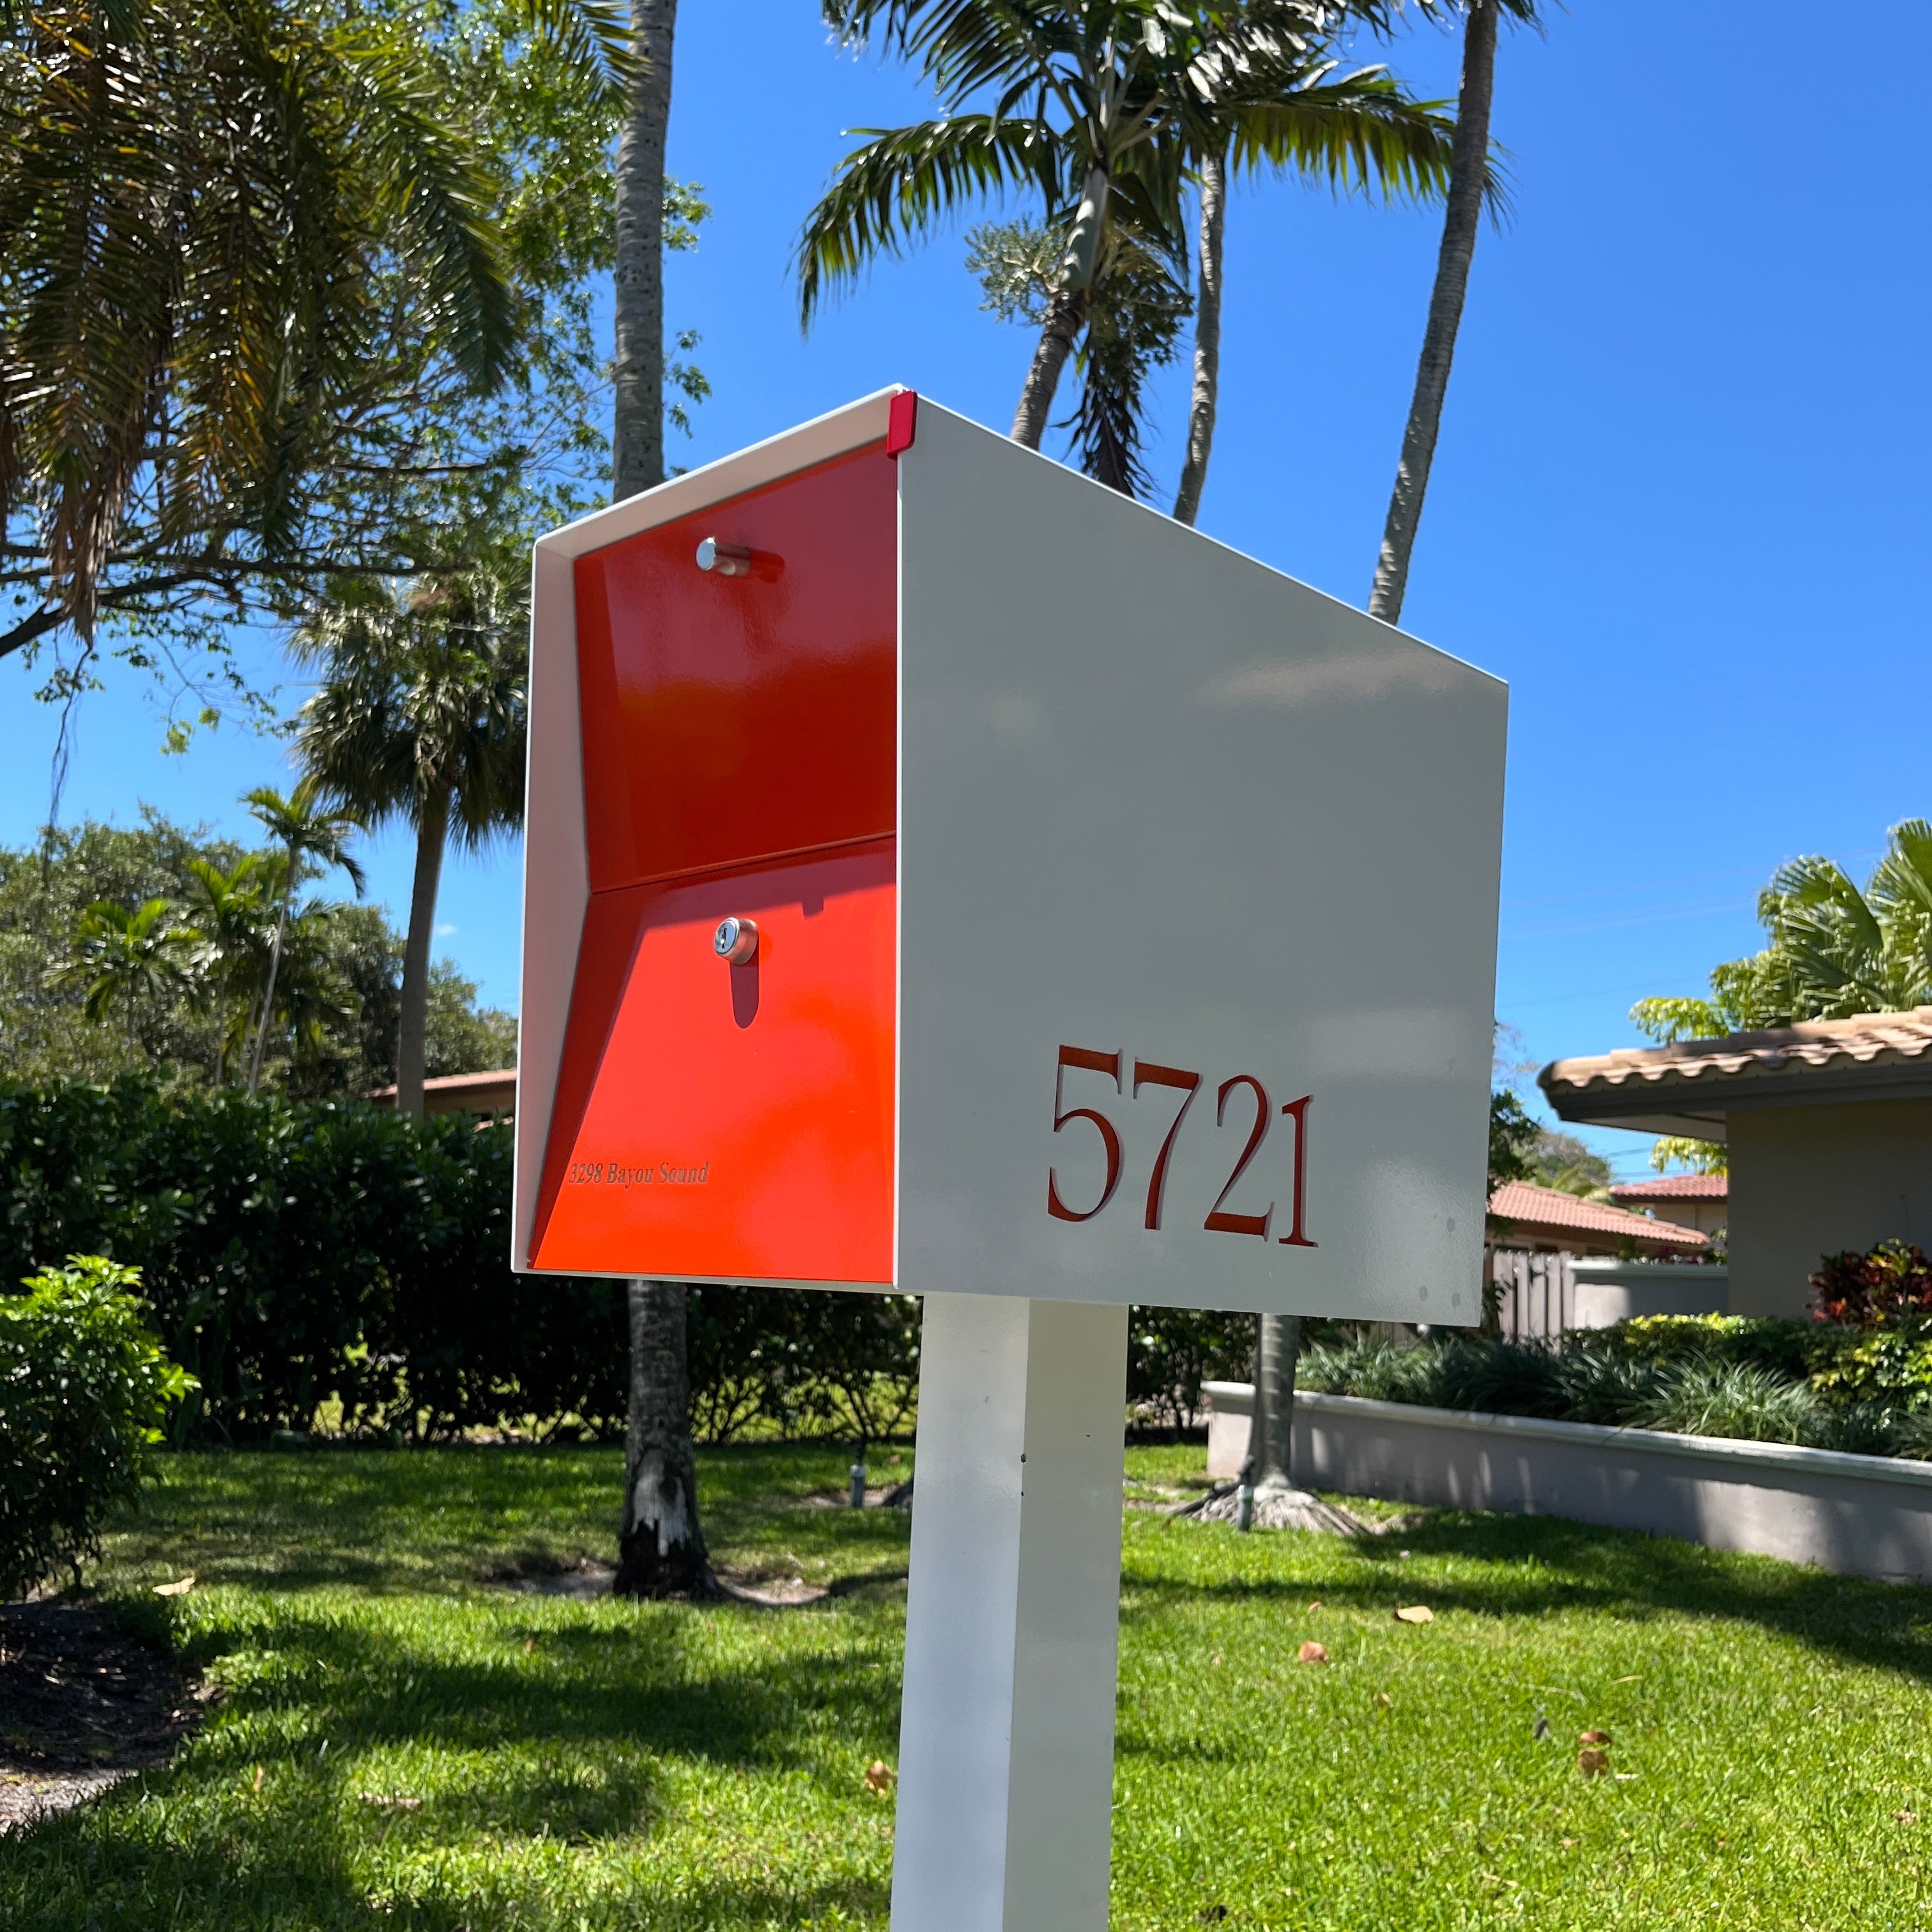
x=1679, y=501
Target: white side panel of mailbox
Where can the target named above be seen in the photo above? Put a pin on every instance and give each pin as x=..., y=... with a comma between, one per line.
x=1159, y=800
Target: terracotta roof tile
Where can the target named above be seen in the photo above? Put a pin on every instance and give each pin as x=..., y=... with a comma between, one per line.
x=1865, y=1039
x=1676, y=1187
x=1521, y=1201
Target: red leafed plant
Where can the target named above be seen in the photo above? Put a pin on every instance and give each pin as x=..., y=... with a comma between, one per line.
x=1869, y=1290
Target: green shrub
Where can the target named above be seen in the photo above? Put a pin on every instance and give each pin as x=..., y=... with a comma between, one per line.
x=297, y=1253
x=1734, y=1399
x=1866, y=1289
x=1891, y=1365
x=1171, y=1351
x=85, y=1390
x=1786, y=1348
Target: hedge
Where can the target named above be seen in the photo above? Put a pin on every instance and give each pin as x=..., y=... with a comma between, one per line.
x=295, y=1253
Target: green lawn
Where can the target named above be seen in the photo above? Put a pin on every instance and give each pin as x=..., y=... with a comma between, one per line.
x=402, y=1744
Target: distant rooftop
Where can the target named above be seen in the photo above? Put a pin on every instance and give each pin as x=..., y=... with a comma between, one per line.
x=1691, y=1086
x=1550, y=1210
x=1675, y=1187
x=461, y=1093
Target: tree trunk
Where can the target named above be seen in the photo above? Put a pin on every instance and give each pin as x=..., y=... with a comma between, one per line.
x=1468, y=176
x=637, y=437
x=1207, y=340
x=412, y=1027
x=1267, y=1487
x=268, y=997
x=1271, y=1434
x=1066, y=314
x=660, y=1546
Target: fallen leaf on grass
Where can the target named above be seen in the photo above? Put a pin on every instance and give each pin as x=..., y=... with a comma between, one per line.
x=1593, y=1737
x=1313, y=1653
x=1316, y=1605
x=1415, y=1613
x=1627, y=1680
x=1592, y=1762
x=1905, y=1817
x=1383, y=1698
x=1211, y=1915
x=179, y=1588
x=879, y=1776
x=391, y=1801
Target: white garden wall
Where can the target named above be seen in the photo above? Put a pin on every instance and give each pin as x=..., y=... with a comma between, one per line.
x=1855, y=1516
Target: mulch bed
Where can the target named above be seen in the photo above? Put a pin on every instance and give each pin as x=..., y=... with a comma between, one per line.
x=83, y=1704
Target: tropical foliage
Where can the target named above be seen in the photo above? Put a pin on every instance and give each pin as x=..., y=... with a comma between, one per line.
x=310, y=1253
x=420, y=716
x=1103, y=114
x=331, y=315
x=1832, y=949
x=139, y=983
x=84, y=1390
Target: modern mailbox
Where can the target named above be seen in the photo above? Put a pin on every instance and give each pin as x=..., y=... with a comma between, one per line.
x=944, y=873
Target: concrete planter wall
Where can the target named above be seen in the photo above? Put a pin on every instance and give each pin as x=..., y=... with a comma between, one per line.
x=1612, y=1291
x=1855, y=1516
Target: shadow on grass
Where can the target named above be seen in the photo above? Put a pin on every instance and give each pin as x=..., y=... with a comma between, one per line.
x=637, y=1682
x=1542, y=1565
x=300, y=1861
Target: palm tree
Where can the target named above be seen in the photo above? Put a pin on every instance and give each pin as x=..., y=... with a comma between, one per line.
x=1472, y=184
x=1832, y=950
x=231, y=924
x=127, y=959
x=1095, y=109
x=661, y=1549
x=420, y=716
x=192, y=195
x=307, y=828
x=637, y=287
x=1360, y=132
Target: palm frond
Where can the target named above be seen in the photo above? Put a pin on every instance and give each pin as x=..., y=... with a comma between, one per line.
x=904, y=181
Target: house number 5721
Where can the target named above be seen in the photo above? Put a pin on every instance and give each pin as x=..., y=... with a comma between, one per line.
x=1239, y=1091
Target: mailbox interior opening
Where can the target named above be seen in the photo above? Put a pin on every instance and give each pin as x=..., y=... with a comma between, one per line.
x=740, y=761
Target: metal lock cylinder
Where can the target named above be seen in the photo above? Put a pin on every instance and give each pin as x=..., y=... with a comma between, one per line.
x=735, y=941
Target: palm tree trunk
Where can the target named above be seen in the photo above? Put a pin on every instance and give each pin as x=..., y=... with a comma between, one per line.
x=1271, y=1434
x=413, y=1027
x=268, y=996
x=1207, y=340
x=1468, y=176
x=660, y=1545
x=637, y=441
x=1065, y=315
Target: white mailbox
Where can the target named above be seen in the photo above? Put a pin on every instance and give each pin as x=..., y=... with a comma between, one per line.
x=946, y=874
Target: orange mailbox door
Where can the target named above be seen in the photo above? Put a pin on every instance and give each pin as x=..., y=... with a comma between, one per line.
x=714, y=1120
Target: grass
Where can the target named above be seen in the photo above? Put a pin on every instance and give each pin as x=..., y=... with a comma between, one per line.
x=401, y=1744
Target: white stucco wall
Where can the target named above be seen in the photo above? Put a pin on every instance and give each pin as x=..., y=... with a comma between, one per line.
x=1806, y=1181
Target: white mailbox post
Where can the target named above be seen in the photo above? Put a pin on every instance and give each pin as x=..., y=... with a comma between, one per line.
x=946, y=874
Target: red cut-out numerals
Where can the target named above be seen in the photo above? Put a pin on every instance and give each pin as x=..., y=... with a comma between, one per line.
x=1221, y=1218
x=1147, y=1074
x=1109, y=1064
x=1221, y=1222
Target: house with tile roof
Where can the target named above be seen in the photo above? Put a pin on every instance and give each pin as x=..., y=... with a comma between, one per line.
x=1828, y=1124
x=1547, y=1220
x=1699, y=1200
